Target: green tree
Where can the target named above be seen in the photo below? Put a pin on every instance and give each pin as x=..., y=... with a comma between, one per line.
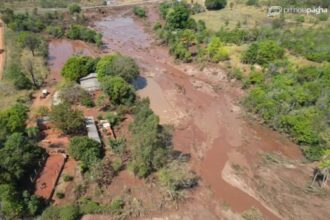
x=77, y=67
x=68, y=120
x=86, y=150
x=177, y=17
x=19, y=157
x=119, y=91
x=29, y=40
x=10, y=205
x=150, y=143
x=13, y=120
x=216, y=50
x=74, y=8
x=263, y=52
x=215, y=4
x=139, y=11
x=117, y=65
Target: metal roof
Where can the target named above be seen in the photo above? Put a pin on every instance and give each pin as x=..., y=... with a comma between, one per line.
x=92, y=129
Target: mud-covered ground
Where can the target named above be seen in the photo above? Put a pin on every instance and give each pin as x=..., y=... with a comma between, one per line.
x=241, y=164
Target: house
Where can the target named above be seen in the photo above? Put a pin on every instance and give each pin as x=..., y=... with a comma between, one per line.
x=92, y=131
x=90, y=83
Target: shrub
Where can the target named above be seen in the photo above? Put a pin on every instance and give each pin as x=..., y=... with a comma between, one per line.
x=55, y=31
x=118, y=145
x=19, y=79
x=139, y=11
x=252, y=2
x=86, y=150
x=69, y=212
x=263, y=52
x=216, y=50
x=68, y=120
x=117, y=65
x=67, y=178
x=215, y=4
x=77, y=67
x=60, y=195
x=323, y=17
x=178, y=17
x=119, y=91
x=74, y=8
x=300, y=19
x=175, y=177
x=78, y=32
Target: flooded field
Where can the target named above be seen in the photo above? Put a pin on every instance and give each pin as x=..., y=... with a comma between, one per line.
x=209, y=124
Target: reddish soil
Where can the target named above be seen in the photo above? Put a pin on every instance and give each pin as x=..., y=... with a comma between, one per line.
x=212, y=127
x=227, y=148
x=48, y=178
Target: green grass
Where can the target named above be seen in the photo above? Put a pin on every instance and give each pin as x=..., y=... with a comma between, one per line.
x=251, y=16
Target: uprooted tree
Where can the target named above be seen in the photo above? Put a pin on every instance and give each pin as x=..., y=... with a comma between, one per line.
x=323, y=169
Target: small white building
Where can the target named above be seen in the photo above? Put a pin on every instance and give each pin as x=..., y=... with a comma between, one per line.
x=90, y=83
x=92, y=131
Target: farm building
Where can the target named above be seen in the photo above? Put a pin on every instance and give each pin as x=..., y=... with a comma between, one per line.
x=90, y=83
x=92, y=129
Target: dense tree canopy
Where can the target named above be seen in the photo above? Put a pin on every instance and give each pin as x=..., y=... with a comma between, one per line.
x=86, y=150
x=263, y=52
x=215, y=4
x=150, y=141
x=119, y=91
x=77, y=67
x=296, y=102
x=68, y=120
x=12, y=120
x=117, y=65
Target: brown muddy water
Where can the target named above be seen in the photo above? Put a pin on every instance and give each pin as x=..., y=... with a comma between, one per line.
x=209, y=124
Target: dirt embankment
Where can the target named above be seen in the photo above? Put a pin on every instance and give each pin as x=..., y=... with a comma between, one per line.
x=232, y=154
x=2, y=46
x=241, y=164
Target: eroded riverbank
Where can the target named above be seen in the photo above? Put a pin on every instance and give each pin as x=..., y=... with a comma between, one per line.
x=209, y=124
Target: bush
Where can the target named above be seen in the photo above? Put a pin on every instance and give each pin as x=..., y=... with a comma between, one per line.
x=175, y=177
x=55, y=31
x=117, y=65
x=263, y=52
x=252, y=2
x=119, y=91
x=74, y=8
x=19, y=79
x=139, y=11
x=323, y=17
x=86, y=150
x=178, y=17
x=77, y=67
x=215, y=4
x=68, y=120
x=60, y=195
x=118, y=145
x=79, y=32
x=300, y=19
x=69, y=212
x=216, y=50
x=67, y=178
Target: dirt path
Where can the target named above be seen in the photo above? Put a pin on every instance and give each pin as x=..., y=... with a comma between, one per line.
x=2, y=46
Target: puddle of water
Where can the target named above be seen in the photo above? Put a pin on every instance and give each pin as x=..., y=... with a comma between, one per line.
x=60, y=51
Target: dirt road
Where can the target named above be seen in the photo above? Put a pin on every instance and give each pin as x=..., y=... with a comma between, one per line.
x=2, y=45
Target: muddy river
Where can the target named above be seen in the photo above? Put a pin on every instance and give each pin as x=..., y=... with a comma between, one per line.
x=209, y=122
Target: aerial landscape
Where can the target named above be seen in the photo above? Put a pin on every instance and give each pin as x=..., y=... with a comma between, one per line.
x=165, y=109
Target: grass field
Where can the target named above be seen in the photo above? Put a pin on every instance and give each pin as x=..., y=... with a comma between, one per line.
x=251, y=16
